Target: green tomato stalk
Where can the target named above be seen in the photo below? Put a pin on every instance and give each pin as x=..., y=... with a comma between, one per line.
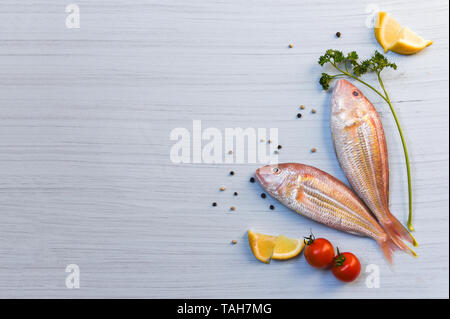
x=350, y=66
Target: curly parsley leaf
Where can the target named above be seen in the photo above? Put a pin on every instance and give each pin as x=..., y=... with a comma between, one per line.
x=350, y=65
x=325, y=81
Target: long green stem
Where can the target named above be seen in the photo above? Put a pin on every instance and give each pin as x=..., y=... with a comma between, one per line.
x=386, y=98
x=405, y=151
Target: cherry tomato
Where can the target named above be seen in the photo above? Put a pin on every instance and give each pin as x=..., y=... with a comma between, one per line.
x=346, y=267
x=319, y=252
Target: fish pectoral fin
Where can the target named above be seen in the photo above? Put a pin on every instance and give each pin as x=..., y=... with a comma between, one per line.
x=299, y=196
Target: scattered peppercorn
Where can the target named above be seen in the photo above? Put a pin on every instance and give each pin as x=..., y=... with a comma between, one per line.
x=272, y=207
x=275, y=152
x=262, y=140
x=234, y=241
x=269, y=141
x=338, y=34
x=302, y=107
x=279, y=147
x=291, y=45
x=313, y=111
x=230, y=152
x=313, y=150
x=214, y=204
x=263, y=195
x=299, y=115
x=222, y=188
x=231, y=173
x=232, y=208
x=252, y=179
x=235, y=193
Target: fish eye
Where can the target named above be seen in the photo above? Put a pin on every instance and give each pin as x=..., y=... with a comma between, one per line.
x=275, y=170
x=355, y=93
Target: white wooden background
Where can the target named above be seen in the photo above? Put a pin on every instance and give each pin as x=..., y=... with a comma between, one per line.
x=85, y=118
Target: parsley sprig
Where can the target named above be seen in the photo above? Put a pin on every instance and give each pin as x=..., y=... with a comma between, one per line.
x=350, y=66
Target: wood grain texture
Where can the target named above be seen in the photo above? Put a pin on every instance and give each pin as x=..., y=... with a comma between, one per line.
x=85, y=118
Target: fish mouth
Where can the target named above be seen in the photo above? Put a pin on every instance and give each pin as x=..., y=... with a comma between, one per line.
x=343, y=82
x=259, y=176
x=340, y=85
x=338, y=94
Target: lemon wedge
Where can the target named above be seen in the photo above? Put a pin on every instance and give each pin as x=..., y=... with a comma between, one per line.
x=409, y=43
x=286, y=248
x=262, y=246
x=387, y=30
x=394, y=37
x=266, y=247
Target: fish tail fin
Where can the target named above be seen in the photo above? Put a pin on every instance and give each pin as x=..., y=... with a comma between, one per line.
x=388, y=247
x=397, y=231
